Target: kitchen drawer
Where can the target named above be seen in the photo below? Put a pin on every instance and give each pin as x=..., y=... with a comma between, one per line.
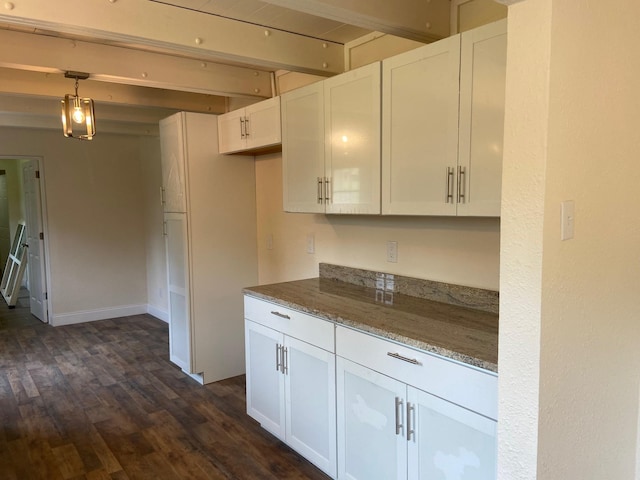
x=468, y=387
x=302, y=326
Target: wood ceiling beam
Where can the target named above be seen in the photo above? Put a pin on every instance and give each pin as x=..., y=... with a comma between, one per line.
x=421, y=20
x=109, y=63
x=167, y=28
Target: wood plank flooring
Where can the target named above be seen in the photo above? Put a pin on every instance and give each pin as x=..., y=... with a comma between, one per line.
x=101, y=400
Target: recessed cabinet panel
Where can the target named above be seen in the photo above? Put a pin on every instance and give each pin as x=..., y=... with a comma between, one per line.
x=178, y=287
x=172, y=157
x=352, y=141
x=482, y=90
x=420, y=129
x=265, y=383
x=303, y=149
x=310, y=403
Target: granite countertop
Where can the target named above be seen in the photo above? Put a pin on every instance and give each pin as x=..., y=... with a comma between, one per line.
x=465, y=334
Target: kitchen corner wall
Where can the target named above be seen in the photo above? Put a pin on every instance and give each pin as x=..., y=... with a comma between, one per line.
x=464, y=251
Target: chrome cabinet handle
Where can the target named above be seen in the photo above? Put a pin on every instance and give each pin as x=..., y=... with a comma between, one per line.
x=285, y=360
x=281, y=315
x=327, y=188
x=246, y=127
x=413, y=361
x=411, y=411
x=242, y=134
x=449, y=193
x=164, y=229
x=162, y=200
x=278, y=363
x=320, y=184
x=461, y=184
x=398, y=415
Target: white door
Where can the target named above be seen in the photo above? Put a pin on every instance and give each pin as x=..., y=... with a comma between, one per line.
x=420, y=130
x=371, y=424
x=310, y=385
x=262, y=123
x=352, y=140
x=303, y=149
x=232, y=132
x=172, y=155
x=265, y=381
x=449, y=442
x=482, y=87
x=176, y=238
x=35, y=241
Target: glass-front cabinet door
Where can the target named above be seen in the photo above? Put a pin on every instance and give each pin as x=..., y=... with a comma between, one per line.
x=371, y=429
x=448, y=442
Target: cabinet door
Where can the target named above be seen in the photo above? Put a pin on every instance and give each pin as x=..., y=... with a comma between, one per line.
x=172, y=155
x=371, y=429
x=448, y=441
x=482, y=84
x=180, y=344
x=262, y=123
x=310, y=383
x=231, y=132
x=265, y=381
x=303, y=149
x=420, y=130
x=352, y=140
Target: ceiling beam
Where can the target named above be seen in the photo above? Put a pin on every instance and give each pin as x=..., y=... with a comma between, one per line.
x=421, y=20
x=167, y=28
x=109, y=63
x=51, y=85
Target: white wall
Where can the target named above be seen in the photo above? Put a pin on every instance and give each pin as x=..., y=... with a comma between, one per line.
x=464, y=251
x=96, y=222
x=569, y=329
x=154, y=240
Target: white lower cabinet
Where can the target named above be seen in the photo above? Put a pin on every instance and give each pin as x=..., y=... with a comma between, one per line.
x=291, y=387
x=389, y=429
x=364, y=408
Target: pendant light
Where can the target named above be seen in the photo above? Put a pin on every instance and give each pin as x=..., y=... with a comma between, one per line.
x=78, y=117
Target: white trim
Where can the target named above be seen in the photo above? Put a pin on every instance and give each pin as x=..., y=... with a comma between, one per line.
x=158, y=313
x=82, y=316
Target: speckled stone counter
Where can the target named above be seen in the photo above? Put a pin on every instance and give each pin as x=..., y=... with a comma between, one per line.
x=465, y=334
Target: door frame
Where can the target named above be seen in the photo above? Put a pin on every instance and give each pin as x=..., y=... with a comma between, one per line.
x=45, y=225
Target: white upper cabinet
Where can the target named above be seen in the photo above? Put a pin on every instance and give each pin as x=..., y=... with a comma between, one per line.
x=331, y=144
x=482, y=84
x=420, y=129
x=352, y=141
x=303, y=149
x=250, y=128
x=443, y=119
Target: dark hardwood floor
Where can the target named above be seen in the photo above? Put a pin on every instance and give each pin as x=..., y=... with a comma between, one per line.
x=101, y=400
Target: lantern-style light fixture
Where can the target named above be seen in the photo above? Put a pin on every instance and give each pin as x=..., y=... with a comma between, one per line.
x=78, y=117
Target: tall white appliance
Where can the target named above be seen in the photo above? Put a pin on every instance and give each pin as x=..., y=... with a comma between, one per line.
x=210, y=234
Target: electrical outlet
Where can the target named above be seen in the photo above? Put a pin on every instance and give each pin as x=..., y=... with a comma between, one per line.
x=392, y=252
x=311, y=243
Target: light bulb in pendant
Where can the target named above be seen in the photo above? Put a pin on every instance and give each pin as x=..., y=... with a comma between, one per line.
x=78, y=115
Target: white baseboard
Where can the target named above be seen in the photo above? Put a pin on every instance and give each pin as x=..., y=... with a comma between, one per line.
x=99, y=314
x=159, y=314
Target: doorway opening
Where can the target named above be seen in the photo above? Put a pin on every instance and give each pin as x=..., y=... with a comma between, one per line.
x=22, y=201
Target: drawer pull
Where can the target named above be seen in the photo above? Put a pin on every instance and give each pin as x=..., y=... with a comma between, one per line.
x=404, y=359
x=281, y=315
